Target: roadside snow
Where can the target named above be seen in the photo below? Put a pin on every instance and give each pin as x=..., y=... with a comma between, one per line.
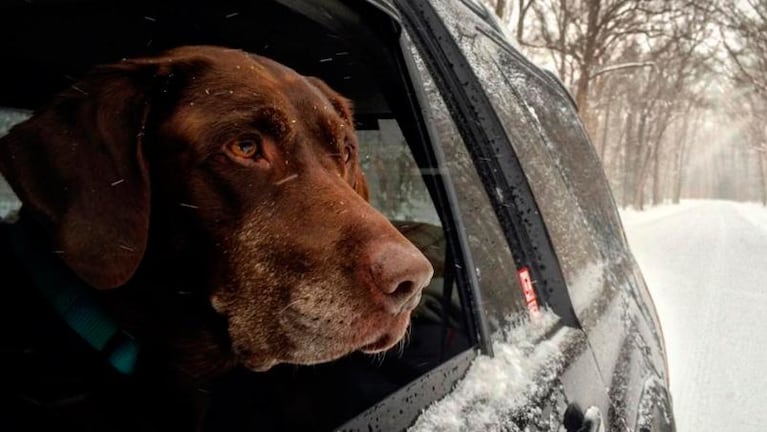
x=705, y=263
x=635, y=217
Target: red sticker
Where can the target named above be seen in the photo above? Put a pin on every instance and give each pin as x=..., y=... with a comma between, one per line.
x=527, y=288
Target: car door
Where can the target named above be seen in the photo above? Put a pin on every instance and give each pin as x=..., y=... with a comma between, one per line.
x=598, y=278
x=516, y=377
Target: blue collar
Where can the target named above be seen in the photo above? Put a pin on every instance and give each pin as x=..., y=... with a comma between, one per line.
x=73, y=300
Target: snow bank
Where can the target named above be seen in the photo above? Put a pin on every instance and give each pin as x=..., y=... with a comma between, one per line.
x=633, y=217
x=754, y=213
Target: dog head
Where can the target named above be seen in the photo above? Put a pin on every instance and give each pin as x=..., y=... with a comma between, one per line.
x=240, y=163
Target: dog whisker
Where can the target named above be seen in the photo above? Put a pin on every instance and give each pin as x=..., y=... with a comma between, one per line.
x=286, y=179
x=115, y=183
x=191, y=206
x=378, y=358
x=404, y=341
x=80, y=90
x=289, y=305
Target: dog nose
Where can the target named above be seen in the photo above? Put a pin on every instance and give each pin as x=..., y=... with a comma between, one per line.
x=400, y=272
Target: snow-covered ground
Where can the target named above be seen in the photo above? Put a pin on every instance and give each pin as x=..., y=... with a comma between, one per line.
x=705, y=263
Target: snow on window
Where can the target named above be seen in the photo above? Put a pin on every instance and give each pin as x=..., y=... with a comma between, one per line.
x=495, y=388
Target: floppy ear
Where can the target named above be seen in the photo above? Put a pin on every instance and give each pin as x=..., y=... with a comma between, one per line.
x=343, y=107
x=78, y=167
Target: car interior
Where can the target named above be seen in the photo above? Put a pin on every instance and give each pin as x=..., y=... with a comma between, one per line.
x=354, y=47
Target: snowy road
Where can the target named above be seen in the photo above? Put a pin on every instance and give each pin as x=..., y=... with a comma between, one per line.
x=705, y=263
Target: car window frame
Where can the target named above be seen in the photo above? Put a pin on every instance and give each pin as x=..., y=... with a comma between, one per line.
x=400, y=409
x=494, y=156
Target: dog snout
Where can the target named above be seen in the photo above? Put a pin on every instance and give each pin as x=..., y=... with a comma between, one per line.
x=399, y=273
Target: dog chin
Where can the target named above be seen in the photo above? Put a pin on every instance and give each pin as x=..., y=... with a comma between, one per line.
x=382, y=344
x=388, y=339
x=258, y=364
x=376, y=343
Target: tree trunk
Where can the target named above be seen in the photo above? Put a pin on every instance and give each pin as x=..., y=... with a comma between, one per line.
x=679, y=163
x=500, y=8
x=763, y=176
x=586, y=66
x=656, y=196
x=640, y=161
x=605, y=131
x=662, y=125
x=524, y=6
x=615, y=160
x=562, y=38
x=629, y=155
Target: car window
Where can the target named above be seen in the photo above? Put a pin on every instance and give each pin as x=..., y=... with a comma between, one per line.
x=495, y=267
x=523, y=100
x=501, y=300
x=397, y=189
x=394, y=179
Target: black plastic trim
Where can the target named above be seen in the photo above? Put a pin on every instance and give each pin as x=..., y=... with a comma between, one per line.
x=401, y=409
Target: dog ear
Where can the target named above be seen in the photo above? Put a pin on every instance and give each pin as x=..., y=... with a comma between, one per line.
x=361, y=184
x=343, y=107
x=78, y=167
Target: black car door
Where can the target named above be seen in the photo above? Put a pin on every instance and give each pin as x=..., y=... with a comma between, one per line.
x=589, y=271
x=565, y=259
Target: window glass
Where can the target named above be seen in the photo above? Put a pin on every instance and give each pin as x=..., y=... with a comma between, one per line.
x=394, y=179
x=397, y=189
x=541, y=126
x=569, y=147
x=8, y=200
x=495, y=266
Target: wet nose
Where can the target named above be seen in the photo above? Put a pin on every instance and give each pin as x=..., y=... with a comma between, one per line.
x=399, y=273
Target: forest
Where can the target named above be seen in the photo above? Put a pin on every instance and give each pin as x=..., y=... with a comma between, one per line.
x=672, y=92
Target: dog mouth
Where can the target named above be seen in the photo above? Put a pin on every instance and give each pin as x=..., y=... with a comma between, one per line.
x=389, y=338
x=383, y=343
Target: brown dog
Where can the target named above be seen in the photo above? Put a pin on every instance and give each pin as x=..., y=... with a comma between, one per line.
x=215, y=199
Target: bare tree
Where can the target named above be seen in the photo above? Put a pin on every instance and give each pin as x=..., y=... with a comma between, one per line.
x=523, y=7
x=648, y=77
x=584, y=36
x=744, y=36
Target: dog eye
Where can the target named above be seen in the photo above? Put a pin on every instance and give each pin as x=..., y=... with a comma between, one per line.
x=346, y=154
x=247, y=148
